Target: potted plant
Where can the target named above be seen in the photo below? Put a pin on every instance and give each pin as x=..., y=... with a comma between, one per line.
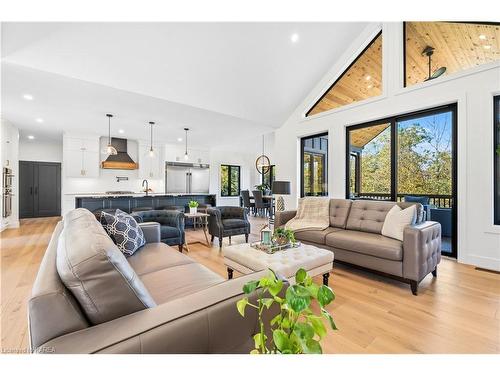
x=262, y=187
x=193, y=207
x=296, y=329
x=283, y=236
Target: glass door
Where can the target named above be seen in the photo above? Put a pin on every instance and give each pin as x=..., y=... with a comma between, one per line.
x=314, y=171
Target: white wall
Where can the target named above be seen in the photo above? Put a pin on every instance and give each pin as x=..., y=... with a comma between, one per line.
x=473, y=90
x=9, y=144
x=41, y=150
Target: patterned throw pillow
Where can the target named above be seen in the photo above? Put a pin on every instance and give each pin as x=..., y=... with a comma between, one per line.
x=124, y=231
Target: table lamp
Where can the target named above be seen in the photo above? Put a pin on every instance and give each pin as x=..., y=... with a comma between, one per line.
x=280, y=188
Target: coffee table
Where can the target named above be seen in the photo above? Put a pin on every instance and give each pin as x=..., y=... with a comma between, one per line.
x=204, y=224
x=245, y=259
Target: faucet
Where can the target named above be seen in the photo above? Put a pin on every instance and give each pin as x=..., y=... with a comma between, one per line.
x=147, y=186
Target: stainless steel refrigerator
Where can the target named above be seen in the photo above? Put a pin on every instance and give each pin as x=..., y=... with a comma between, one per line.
x=187, y=178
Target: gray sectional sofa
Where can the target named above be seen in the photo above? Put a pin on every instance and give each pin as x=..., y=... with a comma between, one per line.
x=354, y=235
x=89, y=298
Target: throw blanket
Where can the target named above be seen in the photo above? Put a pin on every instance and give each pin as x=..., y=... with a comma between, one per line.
x=312, y=214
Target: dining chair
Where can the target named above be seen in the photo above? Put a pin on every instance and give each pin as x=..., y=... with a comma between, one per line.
x=261, y=206
x=247, y=204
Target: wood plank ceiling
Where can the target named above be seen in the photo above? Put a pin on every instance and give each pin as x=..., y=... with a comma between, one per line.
x=360, y=137
x=362, y=80
x=458, y=46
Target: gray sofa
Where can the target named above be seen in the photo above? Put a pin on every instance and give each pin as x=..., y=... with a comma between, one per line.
x=89, y=298
x=354, y=235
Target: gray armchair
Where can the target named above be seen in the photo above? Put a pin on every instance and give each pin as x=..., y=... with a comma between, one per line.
x=226, y=222
x=171, y=224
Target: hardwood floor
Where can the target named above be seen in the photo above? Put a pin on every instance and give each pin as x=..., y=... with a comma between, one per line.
x=458, y=312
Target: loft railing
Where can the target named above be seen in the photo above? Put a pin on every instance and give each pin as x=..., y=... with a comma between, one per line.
x=436, y=200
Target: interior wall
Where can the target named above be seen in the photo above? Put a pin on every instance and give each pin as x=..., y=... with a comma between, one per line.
x=41, y=150
x=472, y=90
x=9, y=147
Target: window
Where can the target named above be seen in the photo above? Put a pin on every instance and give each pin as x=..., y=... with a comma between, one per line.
x=314, y=171
x=455, y=46
x=497, y=160
x=410, y=155
x=361, y=80
x=268, y=177
x=229, y=180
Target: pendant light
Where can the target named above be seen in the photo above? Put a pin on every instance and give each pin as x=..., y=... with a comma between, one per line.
x=151, y=151
x=429, y=51
x=186, y=157
x=110, y=150
x=262, y=164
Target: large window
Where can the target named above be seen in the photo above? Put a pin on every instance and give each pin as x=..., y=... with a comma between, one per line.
x=497, y=160
x=453, y=46
x=361, y=80
x=314, y=161
x=229, y=180
x=410, y=157
x=269, y=176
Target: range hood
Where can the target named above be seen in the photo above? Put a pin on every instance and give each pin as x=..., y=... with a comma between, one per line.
x=121, y=160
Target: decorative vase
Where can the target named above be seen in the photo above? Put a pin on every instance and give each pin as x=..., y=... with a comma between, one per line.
x=193, y=210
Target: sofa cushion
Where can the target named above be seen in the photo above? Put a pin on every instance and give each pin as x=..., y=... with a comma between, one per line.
x=366, y=243
x=169, y=232
x=234, y=223
x=368, y=216
x=125, y=231
x=396, y=220
x=153, y=257
x=315, y=236
x=96, y=272
x=339, y=212
x=174, y=282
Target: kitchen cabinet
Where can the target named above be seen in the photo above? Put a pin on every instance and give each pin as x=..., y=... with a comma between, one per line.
x=81, y=157
x=176, y=154
x=150, y=167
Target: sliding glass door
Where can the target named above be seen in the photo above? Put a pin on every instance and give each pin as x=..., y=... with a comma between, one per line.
x=314, y=161
x=408, y=158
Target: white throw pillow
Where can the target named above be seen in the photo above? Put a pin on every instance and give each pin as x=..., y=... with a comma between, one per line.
x=396, y=221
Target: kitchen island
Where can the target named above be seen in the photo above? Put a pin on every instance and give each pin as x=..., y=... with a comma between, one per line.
x=129, y=202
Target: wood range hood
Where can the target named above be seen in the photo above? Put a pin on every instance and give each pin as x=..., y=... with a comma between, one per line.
x=122, y=159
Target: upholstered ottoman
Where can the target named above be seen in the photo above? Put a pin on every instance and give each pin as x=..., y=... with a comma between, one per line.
x=245, y=259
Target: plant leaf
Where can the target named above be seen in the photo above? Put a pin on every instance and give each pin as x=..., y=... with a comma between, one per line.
x=275, y=287
x=328, y=317
x=317, y=324
x=276, y=320
x=240, y=305
x=267, y=302
x=300, y=275
x=325, y=295
x=313, y=290
x=250, y=286
x=257, y=340
x=312, y=346
x=254, y=351
x=304, y=331
x=281, y=340
x=298, y=298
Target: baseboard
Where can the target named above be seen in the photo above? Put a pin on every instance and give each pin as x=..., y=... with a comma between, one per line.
x=487, y=263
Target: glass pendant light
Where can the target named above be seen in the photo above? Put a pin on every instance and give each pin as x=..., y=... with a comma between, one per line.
x=186, y=157
x=110, y=150
x=151, y=151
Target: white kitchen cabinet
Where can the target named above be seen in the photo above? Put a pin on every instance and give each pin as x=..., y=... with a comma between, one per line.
x=150, y=167
x=81, y=157
x=176, y=154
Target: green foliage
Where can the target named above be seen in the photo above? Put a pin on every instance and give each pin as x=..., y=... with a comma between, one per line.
x=295, y=329
x=262, y=187
x=284, y=233
x=193, y=204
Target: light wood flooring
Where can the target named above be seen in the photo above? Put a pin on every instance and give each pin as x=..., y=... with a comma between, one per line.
x=458, y=312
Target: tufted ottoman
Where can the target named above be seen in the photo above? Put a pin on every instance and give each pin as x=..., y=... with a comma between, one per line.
x=245, y=259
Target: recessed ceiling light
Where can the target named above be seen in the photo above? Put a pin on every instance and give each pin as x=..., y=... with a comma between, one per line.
x=179, y=139
x=487, y=46
x=121, y=131
x=368, y=77
x=39, y=120
x=31, y=137
x=482, y=37
x=28, y=97
x=370, y=86
x=294, y=38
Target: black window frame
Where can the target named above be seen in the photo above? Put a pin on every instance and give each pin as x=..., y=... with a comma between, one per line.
x=325, y=171
x=393, y=120
x=496, y=160
x=229, y=180
x=271, y=173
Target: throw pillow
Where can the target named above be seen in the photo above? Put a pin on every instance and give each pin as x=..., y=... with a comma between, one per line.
x=396, y=220
x=124, y=231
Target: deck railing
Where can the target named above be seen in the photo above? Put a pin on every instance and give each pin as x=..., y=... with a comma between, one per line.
x=436, y=200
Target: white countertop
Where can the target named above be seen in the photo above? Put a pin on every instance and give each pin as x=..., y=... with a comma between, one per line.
x=134, y=194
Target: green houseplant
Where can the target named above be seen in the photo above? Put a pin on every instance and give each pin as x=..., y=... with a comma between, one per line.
x=283, y=236
x=296, y=329
x=193, y=207
x=262, y=187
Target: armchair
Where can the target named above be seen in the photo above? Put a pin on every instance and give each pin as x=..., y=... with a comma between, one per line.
x=226, y=222
x=171, y=225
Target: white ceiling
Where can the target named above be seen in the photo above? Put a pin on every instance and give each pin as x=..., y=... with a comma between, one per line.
x=225, y=81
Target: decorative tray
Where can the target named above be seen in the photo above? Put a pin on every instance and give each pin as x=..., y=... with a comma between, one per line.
x=274, y=247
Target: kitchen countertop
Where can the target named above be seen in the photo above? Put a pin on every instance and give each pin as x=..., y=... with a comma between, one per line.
x=135, y=194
